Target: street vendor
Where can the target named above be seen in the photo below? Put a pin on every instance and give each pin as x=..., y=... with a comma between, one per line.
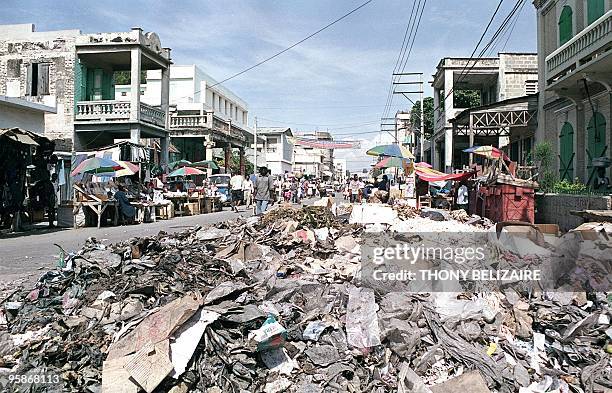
x=127, y=211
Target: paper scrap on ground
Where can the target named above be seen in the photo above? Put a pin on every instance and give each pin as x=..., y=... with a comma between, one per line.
x=186, y=340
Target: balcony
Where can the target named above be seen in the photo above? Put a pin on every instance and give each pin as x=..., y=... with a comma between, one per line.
x=584, y=49
x=189, y=121
x=111, y=111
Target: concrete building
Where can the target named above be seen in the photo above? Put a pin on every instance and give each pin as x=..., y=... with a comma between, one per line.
x=27, y=115
x=278, y=150
x=312, y=160
x=74, y=72
x=575, y=73
x=492, y=80
x=340, y=171
x=203, y=115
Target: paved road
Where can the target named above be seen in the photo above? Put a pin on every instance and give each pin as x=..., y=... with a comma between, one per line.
x=27, y=254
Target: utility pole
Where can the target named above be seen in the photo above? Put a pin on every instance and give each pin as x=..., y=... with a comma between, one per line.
x=420, y=92
x=422, y=138
x=255, y=148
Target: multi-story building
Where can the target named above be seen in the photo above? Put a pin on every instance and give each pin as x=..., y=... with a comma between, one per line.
x=575, y=73
x=340, y=171
x=74, y=72
x=459, y=82
x=314, y=160
x=278, y=150
x=203, y=114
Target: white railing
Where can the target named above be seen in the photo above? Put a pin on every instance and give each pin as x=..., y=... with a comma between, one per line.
x=103, y=110
x=584, y=44
x=187, y=121
x=150, y=114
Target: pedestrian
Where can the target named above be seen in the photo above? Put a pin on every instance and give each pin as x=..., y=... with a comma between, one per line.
x=49, y=189
x=355, y=186
x=263, y=191
x=463, y=197
x=236, y=190
x=247, y=190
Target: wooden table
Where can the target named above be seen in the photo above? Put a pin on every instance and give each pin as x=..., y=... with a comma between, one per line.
x=99, y=207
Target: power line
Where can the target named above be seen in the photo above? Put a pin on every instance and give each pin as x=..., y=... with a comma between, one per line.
x=294, y=45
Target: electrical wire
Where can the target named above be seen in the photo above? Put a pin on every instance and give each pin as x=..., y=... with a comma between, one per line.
x=295, y=44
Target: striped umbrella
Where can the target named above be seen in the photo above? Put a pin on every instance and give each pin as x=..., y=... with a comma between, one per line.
x=391, y=162
x=490, y=152
x=127, y=169
x=391, y=151
x=186, y=171
x=179, y=163
x=96, y=165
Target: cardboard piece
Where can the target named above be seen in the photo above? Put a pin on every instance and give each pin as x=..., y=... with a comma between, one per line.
x=372, y=213
x=471, y=382
x=150, y=365
x=115, y=378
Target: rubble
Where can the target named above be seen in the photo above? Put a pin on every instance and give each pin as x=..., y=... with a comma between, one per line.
x=276, y=304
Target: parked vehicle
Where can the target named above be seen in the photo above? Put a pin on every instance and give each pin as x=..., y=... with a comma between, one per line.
x=222, y=182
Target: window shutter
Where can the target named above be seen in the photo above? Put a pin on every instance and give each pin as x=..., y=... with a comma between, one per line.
x=29, y=81
x=596, y=133
x=566, y=156
x=565, y=25
x=595, y=9
x=43, y=80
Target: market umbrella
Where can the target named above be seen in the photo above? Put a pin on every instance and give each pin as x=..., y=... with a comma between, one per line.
x=391, y=162
x=486, y=151
x=205, y=164
x=127, y=169
x=186, y=171
x=423, y=164
x=96, y=165
x=391, y=151
x=179, y=163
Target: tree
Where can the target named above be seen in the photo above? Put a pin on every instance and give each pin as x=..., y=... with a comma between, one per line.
x=125, y=77
x=466, y=98
x=428, y=111
x=234, y=166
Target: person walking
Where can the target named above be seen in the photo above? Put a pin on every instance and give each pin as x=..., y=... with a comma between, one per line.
x=247, y=189
x=463, y=197
x=263, y=191
x=236, y=189
x=355, y=186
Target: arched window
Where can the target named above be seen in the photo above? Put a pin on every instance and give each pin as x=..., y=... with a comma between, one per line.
x=566, y=152
x=565, y=25
x=595, y=10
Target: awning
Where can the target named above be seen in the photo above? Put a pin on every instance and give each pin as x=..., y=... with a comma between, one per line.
x=430, y=175
x=19, y=136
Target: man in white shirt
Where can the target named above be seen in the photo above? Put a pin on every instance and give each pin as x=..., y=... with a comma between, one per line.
x=463, y=197
x=236, y=189
x=247, y=189
x=355, y=186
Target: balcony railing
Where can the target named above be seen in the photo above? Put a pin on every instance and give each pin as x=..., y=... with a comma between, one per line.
x=580, y=49
x=150, y=114
x=189, y=121
x=111, y=111
x=103, y=110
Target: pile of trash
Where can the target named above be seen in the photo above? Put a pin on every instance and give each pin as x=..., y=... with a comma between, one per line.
x=277, y=304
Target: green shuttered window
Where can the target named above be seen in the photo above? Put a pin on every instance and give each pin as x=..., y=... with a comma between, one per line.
x=565, y=25
x=595, y=10
x=566, y=153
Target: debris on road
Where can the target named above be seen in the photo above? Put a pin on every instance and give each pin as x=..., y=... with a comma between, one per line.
x=276, y=304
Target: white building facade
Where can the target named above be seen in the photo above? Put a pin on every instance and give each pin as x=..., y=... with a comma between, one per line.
x=278, y=149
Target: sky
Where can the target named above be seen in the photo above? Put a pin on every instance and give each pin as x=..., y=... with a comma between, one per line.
x=337, y=81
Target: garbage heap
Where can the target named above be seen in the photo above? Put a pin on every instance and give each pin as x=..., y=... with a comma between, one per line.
x=274, y=305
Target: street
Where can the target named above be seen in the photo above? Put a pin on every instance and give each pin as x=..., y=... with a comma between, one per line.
x=27, y=254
